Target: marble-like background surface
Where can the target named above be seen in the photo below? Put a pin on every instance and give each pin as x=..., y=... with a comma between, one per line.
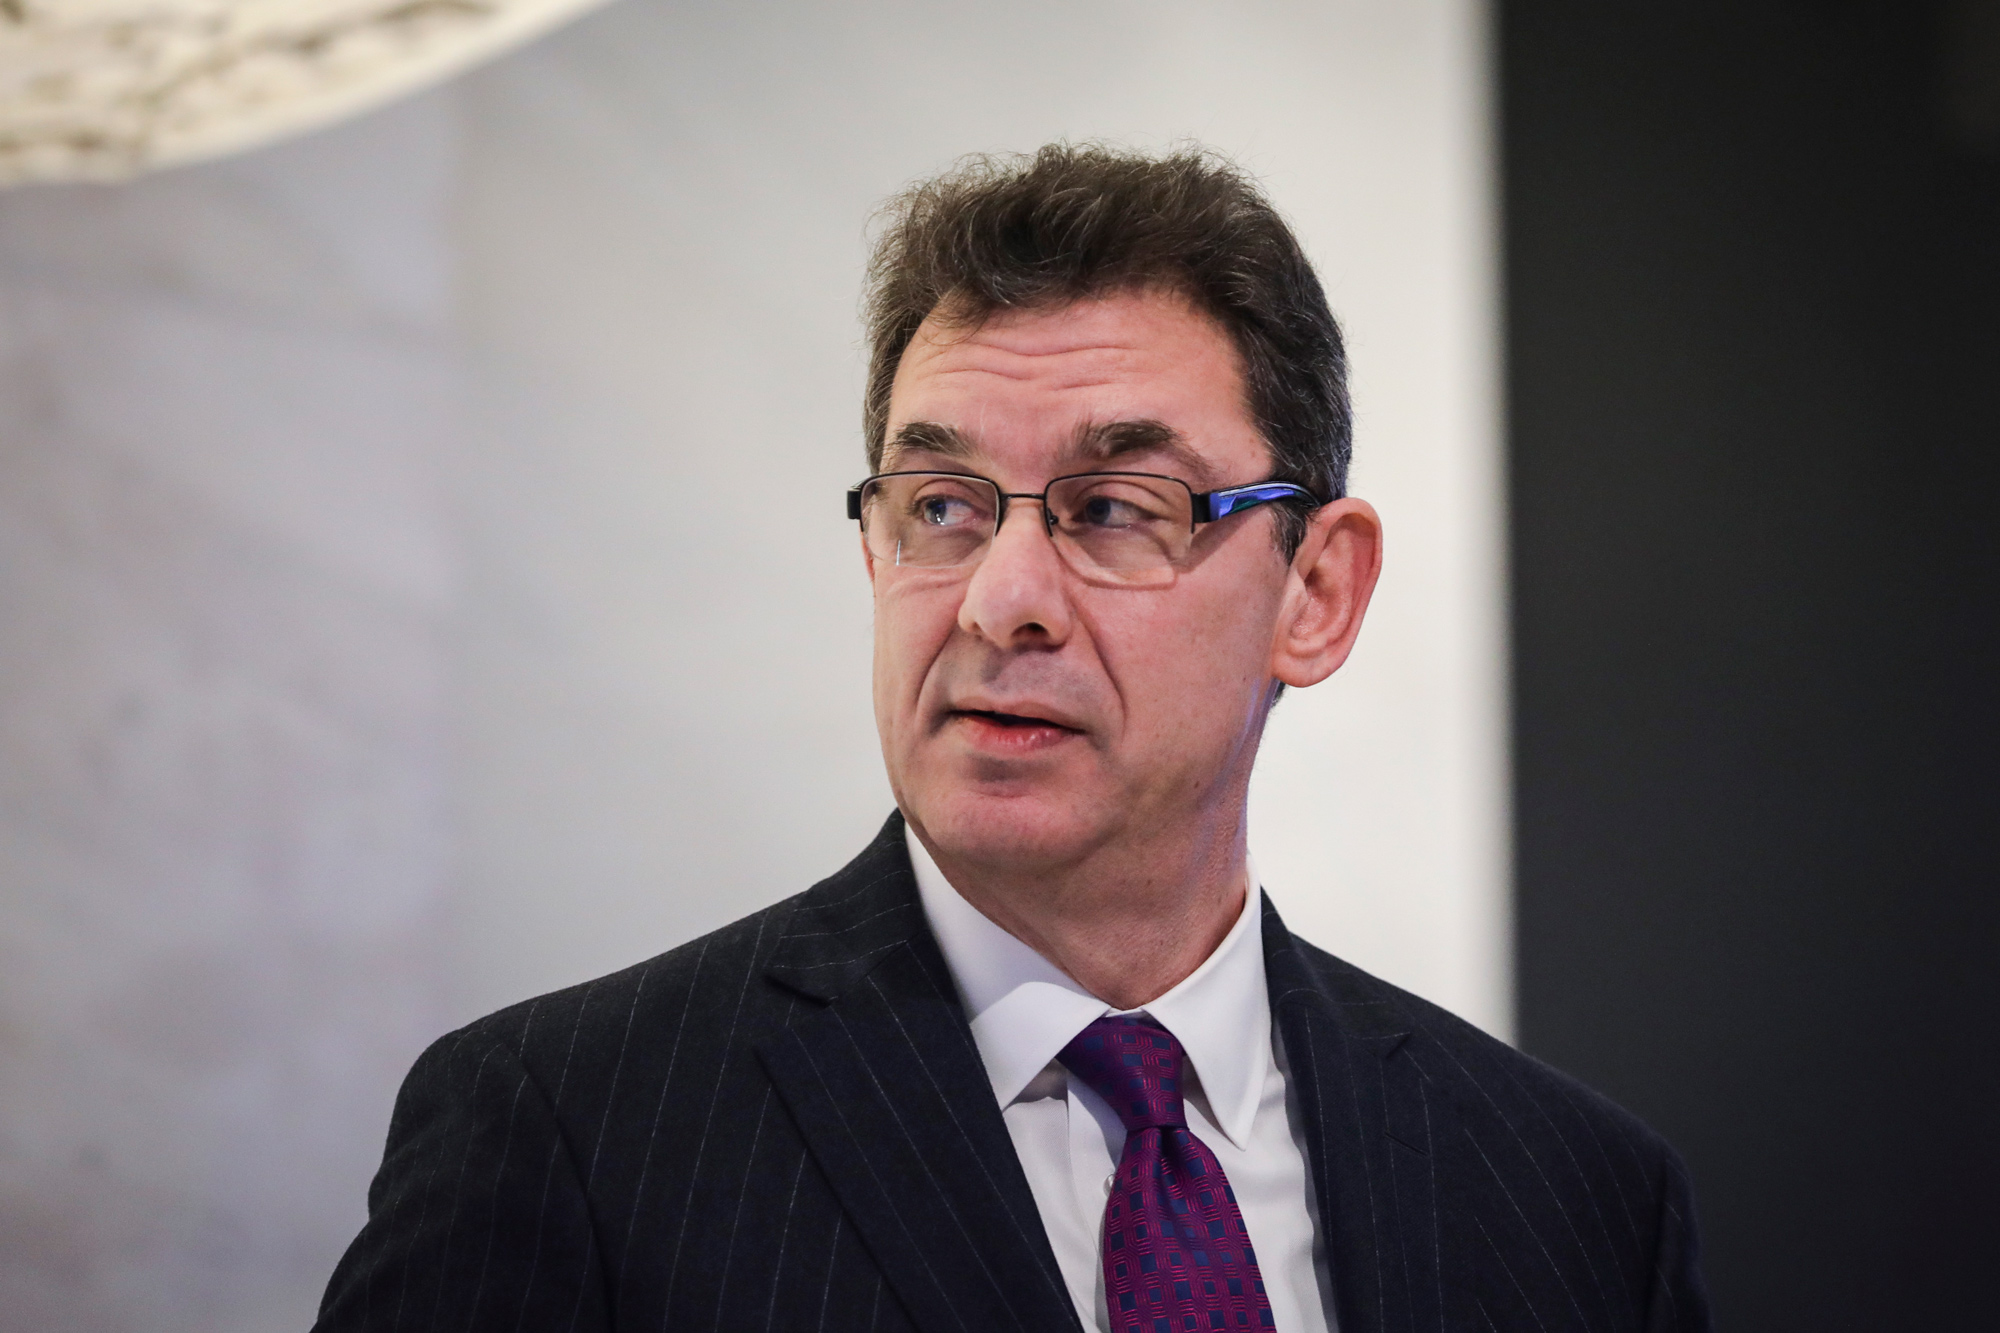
x=228, y=397
x=378, y=639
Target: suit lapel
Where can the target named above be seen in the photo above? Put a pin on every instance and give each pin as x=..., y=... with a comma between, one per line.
x=1378, y=1134
x=887, y=1088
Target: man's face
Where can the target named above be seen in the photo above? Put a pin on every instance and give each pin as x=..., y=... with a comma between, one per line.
x=1030, y=717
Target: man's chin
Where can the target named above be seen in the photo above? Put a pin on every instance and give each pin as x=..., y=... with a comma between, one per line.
x=1016, y=832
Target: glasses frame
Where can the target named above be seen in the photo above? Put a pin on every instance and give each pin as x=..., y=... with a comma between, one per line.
x=1203, y=506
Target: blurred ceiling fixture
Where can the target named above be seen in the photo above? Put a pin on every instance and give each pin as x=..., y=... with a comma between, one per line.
x=100, y=89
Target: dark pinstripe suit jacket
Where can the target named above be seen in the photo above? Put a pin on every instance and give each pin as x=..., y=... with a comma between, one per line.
x=785, y=1125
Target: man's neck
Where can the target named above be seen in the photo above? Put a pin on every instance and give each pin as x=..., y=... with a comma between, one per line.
x=1126, y=928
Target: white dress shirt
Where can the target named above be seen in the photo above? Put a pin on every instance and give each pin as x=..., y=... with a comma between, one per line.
x=1024, y=1010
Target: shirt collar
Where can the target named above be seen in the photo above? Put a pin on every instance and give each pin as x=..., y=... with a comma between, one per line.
x=1024, y=1009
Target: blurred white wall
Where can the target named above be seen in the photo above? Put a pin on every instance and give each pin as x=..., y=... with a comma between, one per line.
x=372, y=649
x=228, y=599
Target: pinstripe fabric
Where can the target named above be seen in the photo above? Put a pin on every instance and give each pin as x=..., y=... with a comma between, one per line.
x=1464, y=1185
x=785, y=1125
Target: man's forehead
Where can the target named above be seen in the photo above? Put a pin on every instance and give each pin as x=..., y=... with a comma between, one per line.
x=1123, y=376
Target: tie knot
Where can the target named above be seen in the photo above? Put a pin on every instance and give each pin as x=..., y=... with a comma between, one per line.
x=1134, y=1064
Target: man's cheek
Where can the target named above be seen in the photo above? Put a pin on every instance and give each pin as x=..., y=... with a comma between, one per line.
x=909, y=641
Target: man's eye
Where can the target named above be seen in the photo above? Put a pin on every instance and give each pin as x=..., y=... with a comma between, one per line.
x=943, y=511
x=1104, y=511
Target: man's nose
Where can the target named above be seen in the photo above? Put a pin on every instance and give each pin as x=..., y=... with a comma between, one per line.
x=1018, y=593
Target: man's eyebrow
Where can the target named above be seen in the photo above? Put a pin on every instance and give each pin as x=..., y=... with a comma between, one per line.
x=1095, y=444
x=931, y=437
x=1107, y=441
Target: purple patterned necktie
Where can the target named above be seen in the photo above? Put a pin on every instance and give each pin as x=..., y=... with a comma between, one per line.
x=1176, y=1253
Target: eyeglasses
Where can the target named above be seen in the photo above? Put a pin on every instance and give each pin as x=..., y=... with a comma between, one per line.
x=1132, y=528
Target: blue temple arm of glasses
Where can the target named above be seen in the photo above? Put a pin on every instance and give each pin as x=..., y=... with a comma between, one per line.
x=1211, y=505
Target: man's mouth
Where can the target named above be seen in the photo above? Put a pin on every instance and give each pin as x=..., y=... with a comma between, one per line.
x=1010, y=732
x=1011, y=719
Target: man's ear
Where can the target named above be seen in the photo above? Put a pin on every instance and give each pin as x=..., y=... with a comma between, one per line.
x=1327, y=591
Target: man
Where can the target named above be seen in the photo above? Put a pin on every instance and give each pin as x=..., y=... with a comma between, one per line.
x=1043, y=1056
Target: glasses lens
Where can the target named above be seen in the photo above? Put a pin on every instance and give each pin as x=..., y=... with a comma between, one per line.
x=928, y=519
x=1134, y=529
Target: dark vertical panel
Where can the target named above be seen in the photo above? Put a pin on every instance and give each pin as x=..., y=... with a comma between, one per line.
x=1753, y=265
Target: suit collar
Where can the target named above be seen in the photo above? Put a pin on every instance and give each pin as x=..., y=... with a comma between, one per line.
x=1361, y=1006
x=847, y=924
x=1378, y=1135
x=887, y=1089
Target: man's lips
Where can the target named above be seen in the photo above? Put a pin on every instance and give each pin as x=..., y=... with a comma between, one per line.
x=1008, y=732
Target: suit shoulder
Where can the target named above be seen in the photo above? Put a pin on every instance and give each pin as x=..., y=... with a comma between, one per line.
x=682, y=985
x=1486, y=1070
